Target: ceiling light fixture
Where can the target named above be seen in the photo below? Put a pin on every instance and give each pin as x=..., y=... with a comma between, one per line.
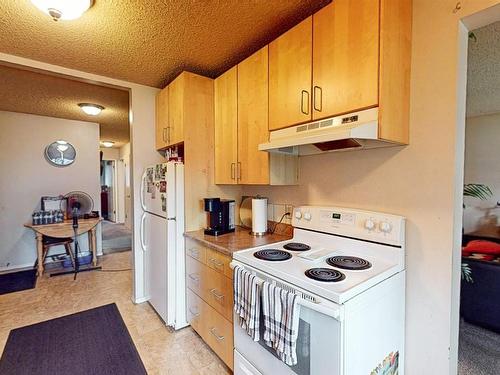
x=63, y=9
x=108, y=143
x=91, y=109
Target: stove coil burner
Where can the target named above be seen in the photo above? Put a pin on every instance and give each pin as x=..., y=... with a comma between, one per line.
x=349, y=263
x=297, y=246
x=272, y=255
x=325, y=274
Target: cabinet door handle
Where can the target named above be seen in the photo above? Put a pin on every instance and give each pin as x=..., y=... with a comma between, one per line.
x=163, y=136
x=319, y=90
x=194, y=277
x=216, y=295
x=195, y=253
x=238, y=171
x=214, y=333
x=302, y=102
x=216, y=263
x=168, y=134
x=195, y=314
x=233, y=172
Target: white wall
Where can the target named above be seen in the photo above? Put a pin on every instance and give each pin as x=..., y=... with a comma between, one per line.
x=482, y=165
x=25, y=176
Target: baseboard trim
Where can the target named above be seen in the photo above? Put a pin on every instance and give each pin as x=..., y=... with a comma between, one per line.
x=138, y=301
x=17, y=267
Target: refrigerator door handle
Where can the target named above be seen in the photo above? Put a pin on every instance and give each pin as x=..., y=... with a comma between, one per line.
x=141, y=231
x=143, y=180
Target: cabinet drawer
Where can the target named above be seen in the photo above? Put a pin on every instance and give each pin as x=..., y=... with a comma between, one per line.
x=196, y=311
x=219, y=262
x=218, y=335
x=217, y=291
x=194, y=275
x=196, y=250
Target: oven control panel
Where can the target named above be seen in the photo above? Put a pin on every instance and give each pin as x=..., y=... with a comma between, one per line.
x=367, y=225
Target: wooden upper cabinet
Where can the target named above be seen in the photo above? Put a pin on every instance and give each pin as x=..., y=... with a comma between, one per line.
x=176, y=92
x=345, y=57
x=226, y=126
x=253, y=165
x=161, y=118
x=290, y=72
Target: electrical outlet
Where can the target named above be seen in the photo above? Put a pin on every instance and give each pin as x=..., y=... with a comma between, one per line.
x=288, y=218
x=279, y=211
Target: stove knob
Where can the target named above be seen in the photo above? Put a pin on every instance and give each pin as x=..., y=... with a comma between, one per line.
x=385, y=226
x=298, y=214
x=307, y=216
x=369, y=224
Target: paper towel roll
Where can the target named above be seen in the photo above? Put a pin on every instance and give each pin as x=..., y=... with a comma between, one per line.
x=259, y=216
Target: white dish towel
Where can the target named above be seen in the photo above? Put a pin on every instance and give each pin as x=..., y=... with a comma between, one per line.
x=247, y=301
x=281, y=321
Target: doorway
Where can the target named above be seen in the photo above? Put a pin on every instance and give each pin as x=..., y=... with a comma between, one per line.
x=479, y=327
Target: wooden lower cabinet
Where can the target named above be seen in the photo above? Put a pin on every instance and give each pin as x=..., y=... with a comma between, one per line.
x=210, y=299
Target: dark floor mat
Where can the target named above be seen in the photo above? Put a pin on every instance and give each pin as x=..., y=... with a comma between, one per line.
x=17, y=281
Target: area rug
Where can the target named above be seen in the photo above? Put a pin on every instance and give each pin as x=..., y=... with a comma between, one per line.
x=478, y=351
x=17, y=281
x=91, y=342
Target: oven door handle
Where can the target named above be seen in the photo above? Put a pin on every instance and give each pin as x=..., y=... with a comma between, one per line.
x=324, y=307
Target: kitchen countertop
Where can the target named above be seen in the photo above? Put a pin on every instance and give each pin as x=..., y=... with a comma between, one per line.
x=240, y=239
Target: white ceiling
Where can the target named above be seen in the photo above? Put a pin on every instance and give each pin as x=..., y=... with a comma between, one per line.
x=483, y=71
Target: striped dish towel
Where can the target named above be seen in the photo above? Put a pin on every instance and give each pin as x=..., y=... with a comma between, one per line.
x=247, y=301
x=281, y=321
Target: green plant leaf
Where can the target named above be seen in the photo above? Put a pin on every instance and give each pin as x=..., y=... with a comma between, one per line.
x=479, y=191
x=467, y=273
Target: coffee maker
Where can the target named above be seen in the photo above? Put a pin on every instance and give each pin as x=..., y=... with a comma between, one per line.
x=220, y=216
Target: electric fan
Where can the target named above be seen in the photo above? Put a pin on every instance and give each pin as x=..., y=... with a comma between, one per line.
x=78, y=204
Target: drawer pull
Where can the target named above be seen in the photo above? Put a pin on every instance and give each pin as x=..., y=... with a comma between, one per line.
x=194, y=277
x=216, y=295
x=216, y=263
x=195, y=253
x=195, y=314
x=218, y=337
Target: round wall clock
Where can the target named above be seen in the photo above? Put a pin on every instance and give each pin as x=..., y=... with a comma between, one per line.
x=60, y=153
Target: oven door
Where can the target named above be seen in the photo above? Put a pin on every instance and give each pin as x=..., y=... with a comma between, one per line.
x=319, y=347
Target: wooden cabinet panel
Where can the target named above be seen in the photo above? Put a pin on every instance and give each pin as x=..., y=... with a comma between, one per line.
x=290, y=77
x=196, y=250
x=195, y=275
x=219, y=262
x=212, y=327
x=219, y=336
x=176, y=92
x=217, y=292
x=226, y=126
x=253, y=165
x=345, y=57
x=161, y=118
x=196, y=315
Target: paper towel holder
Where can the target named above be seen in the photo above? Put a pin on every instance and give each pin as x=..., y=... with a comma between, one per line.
x=264, y=232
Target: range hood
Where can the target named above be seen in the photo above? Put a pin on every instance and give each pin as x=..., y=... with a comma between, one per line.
x=357, y=130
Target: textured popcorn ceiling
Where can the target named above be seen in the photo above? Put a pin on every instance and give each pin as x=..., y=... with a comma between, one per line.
x=150, y=42
x=49, y=95
x=483, y=71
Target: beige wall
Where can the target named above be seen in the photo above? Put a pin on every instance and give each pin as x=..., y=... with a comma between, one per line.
x=110, y=153
x=418, y=181
x=482, y=165
x=25, y=176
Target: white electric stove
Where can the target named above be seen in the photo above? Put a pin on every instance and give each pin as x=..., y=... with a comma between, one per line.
x=347, y=266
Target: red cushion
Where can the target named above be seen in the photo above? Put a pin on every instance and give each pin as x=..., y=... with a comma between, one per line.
x=482, y=247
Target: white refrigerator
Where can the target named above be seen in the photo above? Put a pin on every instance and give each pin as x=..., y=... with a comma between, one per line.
x=162, y=229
